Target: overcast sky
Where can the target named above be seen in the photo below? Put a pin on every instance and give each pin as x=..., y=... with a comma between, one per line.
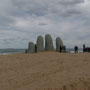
x=21, y=21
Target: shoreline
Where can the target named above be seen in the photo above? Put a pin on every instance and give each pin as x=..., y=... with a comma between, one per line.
x=11, y=51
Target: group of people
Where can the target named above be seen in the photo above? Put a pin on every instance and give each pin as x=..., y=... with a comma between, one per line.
x=63, y=49
x=85, y=49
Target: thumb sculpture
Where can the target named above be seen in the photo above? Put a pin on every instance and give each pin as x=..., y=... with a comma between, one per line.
x=58, y=43
x=48, y=43
x=31, y=47
x=40, y=43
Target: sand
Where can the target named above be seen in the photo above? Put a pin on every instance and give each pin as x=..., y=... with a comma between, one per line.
x=45, y=71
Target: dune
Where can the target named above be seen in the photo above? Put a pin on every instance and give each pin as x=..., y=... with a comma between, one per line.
x=45, y=71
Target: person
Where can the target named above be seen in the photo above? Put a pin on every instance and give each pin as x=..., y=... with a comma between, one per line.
x=63, y=49
x=83, y=47
x=35, y=48
x=76, y=49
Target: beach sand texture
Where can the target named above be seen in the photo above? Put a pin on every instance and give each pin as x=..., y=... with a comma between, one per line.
x=45, y=71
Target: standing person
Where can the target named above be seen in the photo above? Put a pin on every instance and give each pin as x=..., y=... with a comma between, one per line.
x=60, y=48
x=76, y=49
x=35, y=48
x=83, y=47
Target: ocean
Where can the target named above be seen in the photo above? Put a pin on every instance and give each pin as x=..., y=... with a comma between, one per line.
x=12, y=51
x=71, y=50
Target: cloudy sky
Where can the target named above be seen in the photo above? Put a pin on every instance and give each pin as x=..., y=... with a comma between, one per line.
x=21, y=21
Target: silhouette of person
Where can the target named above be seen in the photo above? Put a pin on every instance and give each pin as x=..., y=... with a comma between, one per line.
x=35, y=48
x=83, y=47
x=76, y=49
x=60, y=48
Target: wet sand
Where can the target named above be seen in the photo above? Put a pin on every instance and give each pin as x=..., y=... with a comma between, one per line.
x=45, y=71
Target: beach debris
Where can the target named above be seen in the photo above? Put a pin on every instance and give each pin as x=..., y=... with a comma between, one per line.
x=76, y=49
x=40, y=43
x=48, y=43
x=58, y=43
x=31, y=47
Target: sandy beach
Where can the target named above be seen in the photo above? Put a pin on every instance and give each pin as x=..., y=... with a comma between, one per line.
x=45, y=71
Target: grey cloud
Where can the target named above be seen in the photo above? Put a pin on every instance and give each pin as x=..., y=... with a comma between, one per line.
x=41, y=8
x=23, y=20
x=42, y=24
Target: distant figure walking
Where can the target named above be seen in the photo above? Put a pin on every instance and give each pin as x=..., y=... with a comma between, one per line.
x=76, y=49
